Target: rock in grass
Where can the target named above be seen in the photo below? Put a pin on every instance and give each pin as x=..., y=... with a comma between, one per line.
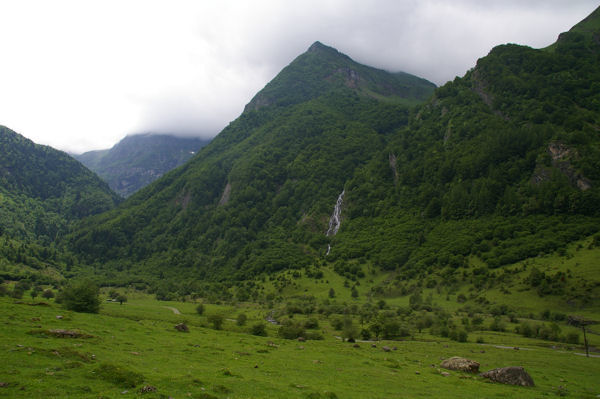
x=460, y=364
x=147, y=388
x=510, y=376
x=182, y=327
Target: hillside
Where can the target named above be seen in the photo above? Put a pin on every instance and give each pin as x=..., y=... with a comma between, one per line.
x=139, y=159
x=267, y=183
x=509, y=152
x=42, y=193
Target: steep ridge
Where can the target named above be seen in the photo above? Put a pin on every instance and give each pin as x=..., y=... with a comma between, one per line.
x=259, y=196
x=42, y=193
x=139, y=159
x=500, y=165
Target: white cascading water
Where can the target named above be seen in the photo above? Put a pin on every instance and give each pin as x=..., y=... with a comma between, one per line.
x=334, y=220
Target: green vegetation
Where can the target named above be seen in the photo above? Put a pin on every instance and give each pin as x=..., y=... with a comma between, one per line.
x=469, y=226
x=81, y=296
x=118, y=352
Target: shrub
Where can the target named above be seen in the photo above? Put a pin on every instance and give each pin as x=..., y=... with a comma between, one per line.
x=311, y=323
x=119, y=376
x=259, y=329
x=48, y=293
x=291, y=330
x=241, y=319
x=81, y=296
x=200, y=309
x=216, y=320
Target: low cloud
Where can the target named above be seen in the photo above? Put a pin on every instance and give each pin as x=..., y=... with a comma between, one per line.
x=80, y=76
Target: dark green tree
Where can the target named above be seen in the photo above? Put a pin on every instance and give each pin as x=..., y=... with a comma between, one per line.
x=81, y=296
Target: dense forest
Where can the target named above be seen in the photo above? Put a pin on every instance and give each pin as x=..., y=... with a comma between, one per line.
x=501, y=164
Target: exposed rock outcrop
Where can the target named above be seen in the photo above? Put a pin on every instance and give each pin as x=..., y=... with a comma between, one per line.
x=460, y=364
x=510, y=375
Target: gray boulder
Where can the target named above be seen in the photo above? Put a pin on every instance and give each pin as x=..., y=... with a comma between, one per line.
x=510, y=376
x=460, y=364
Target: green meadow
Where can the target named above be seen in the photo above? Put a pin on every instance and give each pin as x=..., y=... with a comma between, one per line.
x=126, y=348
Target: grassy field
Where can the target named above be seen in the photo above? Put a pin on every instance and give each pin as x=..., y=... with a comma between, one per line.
x=134, y=345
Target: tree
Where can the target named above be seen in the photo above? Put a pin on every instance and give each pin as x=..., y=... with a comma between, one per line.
x=216, y=320
x=354, y=292
x=121, y=298
x=259, y=329
x=34, y=293
x=331, y=293
x=200, y=309
x=81, y=296
x=48, y=293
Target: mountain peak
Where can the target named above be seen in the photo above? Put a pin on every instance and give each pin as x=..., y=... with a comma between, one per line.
x=322, y=69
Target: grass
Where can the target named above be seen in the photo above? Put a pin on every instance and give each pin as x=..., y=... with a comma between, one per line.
x=135, y=345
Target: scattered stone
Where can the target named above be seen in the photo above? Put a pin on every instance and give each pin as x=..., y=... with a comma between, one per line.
x=272, y=344
x=510, y=376
x=394, y=348
x=60, y=333
x=356, y=346
x=445, y=373
x=35, y=319
x=256, y=366
x=386, y=348
x=147, y=388
x=182, y=327
x=516, y=348
x=135, y=353
x=301, y=347
x=460, y=364
x=59, y=317
x=417, y=372
x=301, y=339
x=3, y=384
x=373, y=345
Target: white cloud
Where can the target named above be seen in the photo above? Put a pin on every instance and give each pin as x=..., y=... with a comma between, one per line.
x=81, y=75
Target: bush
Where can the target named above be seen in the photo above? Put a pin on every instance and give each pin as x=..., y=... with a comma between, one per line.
x=200, y=309
x=216, y=320
x=291, y=330
x=311, y=323
x=259, y=329
x=81, y=296
x=119, y=376
x=241, y=319
x=48, y=293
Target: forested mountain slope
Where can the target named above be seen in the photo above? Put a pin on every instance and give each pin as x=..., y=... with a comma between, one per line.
x=265, y=186
x=139, y=159
x=496, y=167
x=42, y=192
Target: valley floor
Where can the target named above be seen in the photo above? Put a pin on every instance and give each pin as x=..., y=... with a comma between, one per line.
x=131, y=348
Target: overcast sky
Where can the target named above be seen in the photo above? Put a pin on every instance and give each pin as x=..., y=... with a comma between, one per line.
x=80, y=75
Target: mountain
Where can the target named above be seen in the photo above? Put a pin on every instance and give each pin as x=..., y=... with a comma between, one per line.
x=42, y=193
x=328, y=167
x=139, y=159
x=264, y=187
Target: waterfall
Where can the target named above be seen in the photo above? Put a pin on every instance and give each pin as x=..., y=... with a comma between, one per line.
x=334, y=220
